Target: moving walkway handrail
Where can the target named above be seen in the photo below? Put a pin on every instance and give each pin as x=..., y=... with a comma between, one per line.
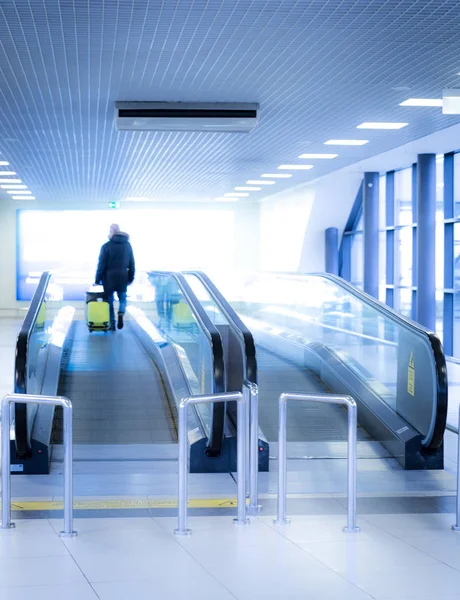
x=20, y=366
x=244, y=335
x=435, y=343
x=216, y=433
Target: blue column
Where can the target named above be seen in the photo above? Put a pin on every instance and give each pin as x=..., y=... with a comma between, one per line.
x=371, y=233
x=426, y=223
x=332, y=251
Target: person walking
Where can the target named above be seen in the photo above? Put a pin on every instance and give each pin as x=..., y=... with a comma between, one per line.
x=115, y=271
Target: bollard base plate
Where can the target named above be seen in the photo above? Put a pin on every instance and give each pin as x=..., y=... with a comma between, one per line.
x=239, y=523
x=65, y=534
x=182, y=532
x=351, y=529
x=282, y=521
x=9, y=526
x=254, y=510
x=455, y=527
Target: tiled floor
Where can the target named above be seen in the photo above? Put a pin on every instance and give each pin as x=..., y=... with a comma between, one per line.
x=398, y=557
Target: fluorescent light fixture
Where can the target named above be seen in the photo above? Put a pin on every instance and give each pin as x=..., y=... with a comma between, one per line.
x=248, y=189
x=346, y=142
x=381, y=125
x=23, y=197
x=10, y=180
x=14, y=186
x=296, y=167
x=3, y=163
x=260, y=182
x=222, y=199
x=319, y=155
x=138, y=199
x=277, y=175
x=235, y=195
x=5, y=173
x=18, y=192
x=451, y=102
x=422, y=102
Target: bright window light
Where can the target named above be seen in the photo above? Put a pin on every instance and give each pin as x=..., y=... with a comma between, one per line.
x=381, y=125
x=277, y=175
x=319, y=155
x=260, y=182
x=3, y=163
x=23, y=197
x=7, y=173
x=10, y=180
x=248, y=189
x=235, y=195
x=296, y=167
x=346, y=142
x=422, y=102
x=14, y=186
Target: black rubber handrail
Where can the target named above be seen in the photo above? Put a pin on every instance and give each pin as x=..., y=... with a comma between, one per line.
x=216, y=433
x=23, y=449
x=245, y=337
x=439, y=358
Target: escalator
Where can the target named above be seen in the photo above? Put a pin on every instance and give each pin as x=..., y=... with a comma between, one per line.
x=318, y=334
x=125, y=387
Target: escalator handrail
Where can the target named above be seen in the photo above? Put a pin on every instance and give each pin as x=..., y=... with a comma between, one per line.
x=440, y=420
x=20, y=364
x=216, y=434
x=248, y=347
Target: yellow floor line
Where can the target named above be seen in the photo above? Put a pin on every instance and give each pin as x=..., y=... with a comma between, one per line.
x=121, y=504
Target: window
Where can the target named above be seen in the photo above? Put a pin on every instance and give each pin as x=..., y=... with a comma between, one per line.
x=403, y=197
x=457, y=185
x=357, y=260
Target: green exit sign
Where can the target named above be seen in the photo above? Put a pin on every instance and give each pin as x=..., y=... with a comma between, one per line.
x=114, y=205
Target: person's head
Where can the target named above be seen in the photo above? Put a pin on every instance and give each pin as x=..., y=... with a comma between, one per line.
x=114, y=229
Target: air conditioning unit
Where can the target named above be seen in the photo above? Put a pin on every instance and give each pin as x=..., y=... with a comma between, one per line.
x=186, y=116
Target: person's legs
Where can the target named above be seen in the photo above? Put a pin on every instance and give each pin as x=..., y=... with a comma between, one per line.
x=111, y=309
x=122, y=297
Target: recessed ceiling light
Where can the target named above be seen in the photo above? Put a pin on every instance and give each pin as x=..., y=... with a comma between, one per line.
x=277, y=175
x=259, y=182
x=236, y=195
x=222, y=199
x=18, y=192
x=248, y=189
x=10, y=180
x=5, y=173
x=296, y=167
x=381, y=125
x=14, y=186
x=23, y=197
x=422, y=102
x=319, y=155
x=3, y=163
x=346, y=142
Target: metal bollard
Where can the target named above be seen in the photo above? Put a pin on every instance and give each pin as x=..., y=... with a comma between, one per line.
x=456, y=527
x=241, y=519
x=68, y=458
x=253, y=396
x=352, y=453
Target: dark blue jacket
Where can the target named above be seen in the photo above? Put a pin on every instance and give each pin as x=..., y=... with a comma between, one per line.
x=116, y=268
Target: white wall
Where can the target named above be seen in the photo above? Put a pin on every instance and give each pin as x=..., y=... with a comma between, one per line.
x=245, y=244
x=293, y=223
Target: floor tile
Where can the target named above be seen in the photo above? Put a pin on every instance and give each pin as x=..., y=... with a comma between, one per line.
x=39, y=571
x=167, y=588
x=34, y=545
x=49, y=592
x=381, y=583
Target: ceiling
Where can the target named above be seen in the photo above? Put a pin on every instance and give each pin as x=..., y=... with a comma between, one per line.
x=318, y=68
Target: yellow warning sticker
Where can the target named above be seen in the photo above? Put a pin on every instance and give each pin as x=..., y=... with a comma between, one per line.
x=411, y=375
